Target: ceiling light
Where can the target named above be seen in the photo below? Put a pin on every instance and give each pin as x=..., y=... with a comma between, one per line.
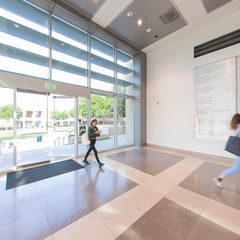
x=148, y=30
x=139, y=22
x=62, y=44
x=130, y=14
x=16, y=25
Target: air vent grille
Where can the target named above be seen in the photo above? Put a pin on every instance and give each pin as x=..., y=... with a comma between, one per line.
x=170, y=16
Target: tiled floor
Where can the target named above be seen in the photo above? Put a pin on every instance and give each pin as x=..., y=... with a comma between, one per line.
x=203, y=177
x=140, y=194
x=146, y=160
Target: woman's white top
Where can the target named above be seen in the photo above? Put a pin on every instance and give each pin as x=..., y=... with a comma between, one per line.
x=237, y=131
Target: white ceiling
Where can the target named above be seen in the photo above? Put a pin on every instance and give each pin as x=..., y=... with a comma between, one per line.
x=192, y=11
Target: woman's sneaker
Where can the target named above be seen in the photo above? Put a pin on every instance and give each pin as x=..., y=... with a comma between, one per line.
x=218, y=183
x=100, y=164
x=86, y=161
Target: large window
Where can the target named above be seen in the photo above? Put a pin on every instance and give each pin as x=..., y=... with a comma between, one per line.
x=6, y=127
x=24, y=39
x=47, y=46
x=69, y=53
x=125, y=73
x=125, y=121
x=82, y=123
x=102, y=65
x=102, y=108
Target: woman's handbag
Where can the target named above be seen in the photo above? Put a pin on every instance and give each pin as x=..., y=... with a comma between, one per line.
x=85, y=139
x=233, y=145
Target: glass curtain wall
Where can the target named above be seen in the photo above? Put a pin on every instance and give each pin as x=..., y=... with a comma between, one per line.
x=6, y=127
x=125, y=122
x=102, y=108
x=35, y=44
x=102, y=65
x=125, y=73
x=69, y=53
x=24, y=39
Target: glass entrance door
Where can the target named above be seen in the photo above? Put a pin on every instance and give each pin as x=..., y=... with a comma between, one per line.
x=7, y=128
x=61, y=126
x=32, y=139
x=45, y=129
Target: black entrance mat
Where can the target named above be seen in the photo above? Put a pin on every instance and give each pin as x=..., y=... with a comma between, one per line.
x=19, y=178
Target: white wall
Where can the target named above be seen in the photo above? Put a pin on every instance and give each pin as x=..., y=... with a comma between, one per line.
x=170, y=81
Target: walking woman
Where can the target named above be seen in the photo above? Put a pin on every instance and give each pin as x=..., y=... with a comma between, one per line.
x=93, y=132
x=235, y=125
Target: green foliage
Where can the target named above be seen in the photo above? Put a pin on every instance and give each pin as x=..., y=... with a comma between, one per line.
x=82, y=107
x=6, y=112
x=64, y=115
x=101, y=107
x=59, y=115
x=121, y=107
x=71, y=113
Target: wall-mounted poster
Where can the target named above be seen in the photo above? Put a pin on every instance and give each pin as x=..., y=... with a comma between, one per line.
x=215, y=98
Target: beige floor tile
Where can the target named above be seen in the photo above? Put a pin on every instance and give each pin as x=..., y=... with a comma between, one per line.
x=118, y=215
x=191, y=163
x=89, y=227
x=126, y=171
x=174, y=175
x=188, y=199
x=137, y=176
x=143, y=198
x=223, y=215
x=162, y=187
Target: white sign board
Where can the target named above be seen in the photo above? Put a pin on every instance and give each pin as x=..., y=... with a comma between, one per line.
x=215, y=98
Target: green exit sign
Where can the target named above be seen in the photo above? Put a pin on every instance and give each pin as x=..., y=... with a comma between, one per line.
x=50, y=86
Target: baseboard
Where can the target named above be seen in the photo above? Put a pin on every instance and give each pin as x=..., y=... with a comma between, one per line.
x=197, y=154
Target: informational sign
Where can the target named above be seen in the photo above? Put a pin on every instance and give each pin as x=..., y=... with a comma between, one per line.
x=215, y=98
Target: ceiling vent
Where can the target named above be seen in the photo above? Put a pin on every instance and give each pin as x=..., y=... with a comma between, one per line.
x=169, y=16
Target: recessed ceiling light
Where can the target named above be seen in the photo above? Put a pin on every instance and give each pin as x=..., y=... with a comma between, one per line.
x=62, y=44
x=148, y=30
x=130, y=14
x=16, y=25
x=139, y=22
